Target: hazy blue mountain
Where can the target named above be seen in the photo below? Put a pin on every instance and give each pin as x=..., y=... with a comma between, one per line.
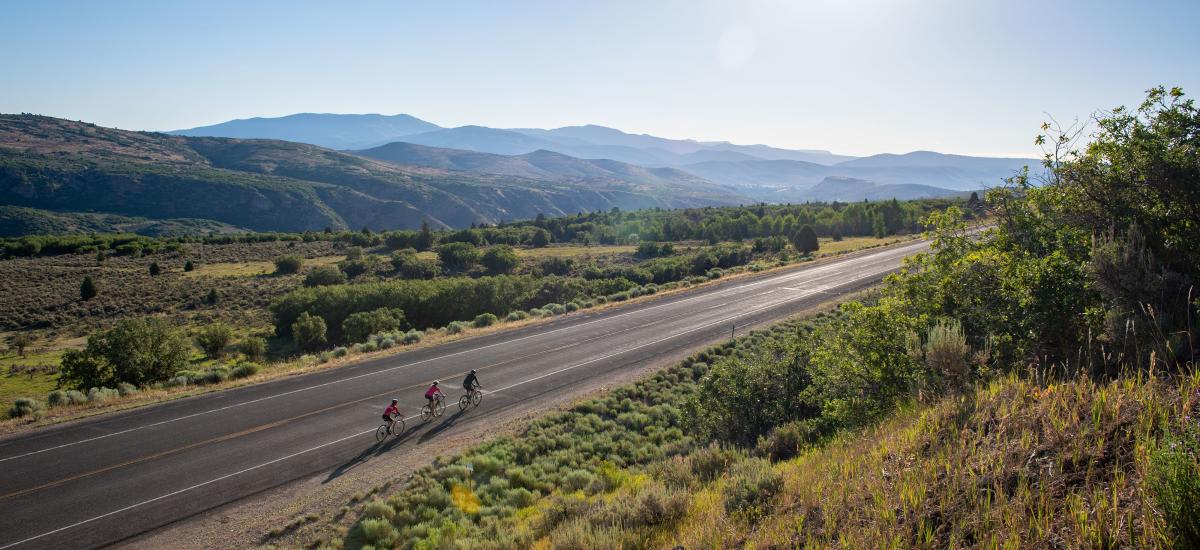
x=335, y=131
x=928, y=159
x=837, y=188
x=546, y=165
x=482, y=139
x=773, y=173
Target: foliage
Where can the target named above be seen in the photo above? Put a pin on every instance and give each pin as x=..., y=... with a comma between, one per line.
x=1174, y=480
x=805, y=240
x=324, y=275
x=23, y=407
x=500, y=259
x=458, y=255
x=556, y=265
x=409, y=266
x=135, y=351
x=308, y=331
x=254, y=348
x=358, y=327
x=214, y=338
x=289, y=263
x=87, y=289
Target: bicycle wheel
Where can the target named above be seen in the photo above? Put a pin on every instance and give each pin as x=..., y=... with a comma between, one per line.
x=426, y=413
x=476, y=397
x=464, y=402
x=441, y=407
x=381, y=432
x=398, y=426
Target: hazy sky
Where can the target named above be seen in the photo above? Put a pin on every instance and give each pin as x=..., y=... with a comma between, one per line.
x=854, y=77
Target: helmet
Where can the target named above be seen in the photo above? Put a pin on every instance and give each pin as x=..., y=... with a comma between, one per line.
x=435, y=382
x=472, y=371
x=394, y=401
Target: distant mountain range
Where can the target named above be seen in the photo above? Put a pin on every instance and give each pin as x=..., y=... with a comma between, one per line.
x=67, y=169
x=590, y=141
x=311, y=171
x=758, y=171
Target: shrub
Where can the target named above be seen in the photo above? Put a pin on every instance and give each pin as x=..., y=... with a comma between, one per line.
x=254, y=348
x=455, y=327
x=214, y=338
x=189, y=266
x=1174, y=480
x=516, y=316
x=126, y=389
x=340, y=351
x=377, y=532
x=484, y=320
x=378, y=509
x=753, y=483
x=556, y=265
x=409, y=266
x=87, y=289
x=245, y=369
x=386, y=343
x=500, y=259
x=458, y=255
x=946, y=353
x=57, y=398
x=358, y=327
x=413, y=336
x=324, y=275
x=102, y=394
x=309, y=332
x=24, y=406
x=137, y=351
x=287, y=264
x=354, y=253
x=555, y=309
x=177, y=381
x=571, y=306
x=214, y=375
x=155, y=270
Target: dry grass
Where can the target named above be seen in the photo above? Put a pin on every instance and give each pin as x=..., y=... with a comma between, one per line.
x=253, y=268
x=1013, y=465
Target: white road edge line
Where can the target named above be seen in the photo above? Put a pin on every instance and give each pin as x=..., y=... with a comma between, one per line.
x=788, y=277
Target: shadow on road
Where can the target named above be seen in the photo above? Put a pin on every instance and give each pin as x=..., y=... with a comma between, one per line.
x=442, y=426
x=372, y=451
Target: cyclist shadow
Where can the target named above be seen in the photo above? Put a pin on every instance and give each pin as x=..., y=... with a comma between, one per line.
x=442, y=426
x=371, y=452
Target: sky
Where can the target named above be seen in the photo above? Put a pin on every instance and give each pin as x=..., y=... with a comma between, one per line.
x=855, y=77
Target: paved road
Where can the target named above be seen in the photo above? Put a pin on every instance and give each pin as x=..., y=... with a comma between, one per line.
x=99, y=481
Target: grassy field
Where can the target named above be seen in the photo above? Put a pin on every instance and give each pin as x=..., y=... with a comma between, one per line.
x=257, y=268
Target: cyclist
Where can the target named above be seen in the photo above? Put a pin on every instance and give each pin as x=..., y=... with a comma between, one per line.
x=471, y=382
x=432, y=392
x=390, y=413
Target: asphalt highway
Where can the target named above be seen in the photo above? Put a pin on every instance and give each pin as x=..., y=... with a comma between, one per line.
x=102, y=480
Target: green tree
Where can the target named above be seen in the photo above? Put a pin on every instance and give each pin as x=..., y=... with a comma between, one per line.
x=409, y=266
x=254, y=348
x=87, y=289
x=805, y=241
x=214, y=338
x=425, y=237
x=287, y=264
x=155, y=270
x=20, y=342
x=324, y=275
x=359, y=327
x=456, y=256
x=134, y=351
x=189, y=266
x=540, y=238
x=500, y=259
x=309, y=332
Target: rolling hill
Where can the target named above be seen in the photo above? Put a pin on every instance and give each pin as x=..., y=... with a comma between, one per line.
x=334, y=131
x=63, y=166
x=538, y=164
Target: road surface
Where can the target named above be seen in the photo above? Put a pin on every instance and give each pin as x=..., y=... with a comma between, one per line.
x=99, y=481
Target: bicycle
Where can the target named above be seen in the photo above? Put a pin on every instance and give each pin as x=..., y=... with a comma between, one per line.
x=395, y=428
x=469, y=399
x=439, y=408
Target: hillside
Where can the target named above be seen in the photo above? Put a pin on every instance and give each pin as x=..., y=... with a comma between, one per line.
x=265, y=185
x=538, y=164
